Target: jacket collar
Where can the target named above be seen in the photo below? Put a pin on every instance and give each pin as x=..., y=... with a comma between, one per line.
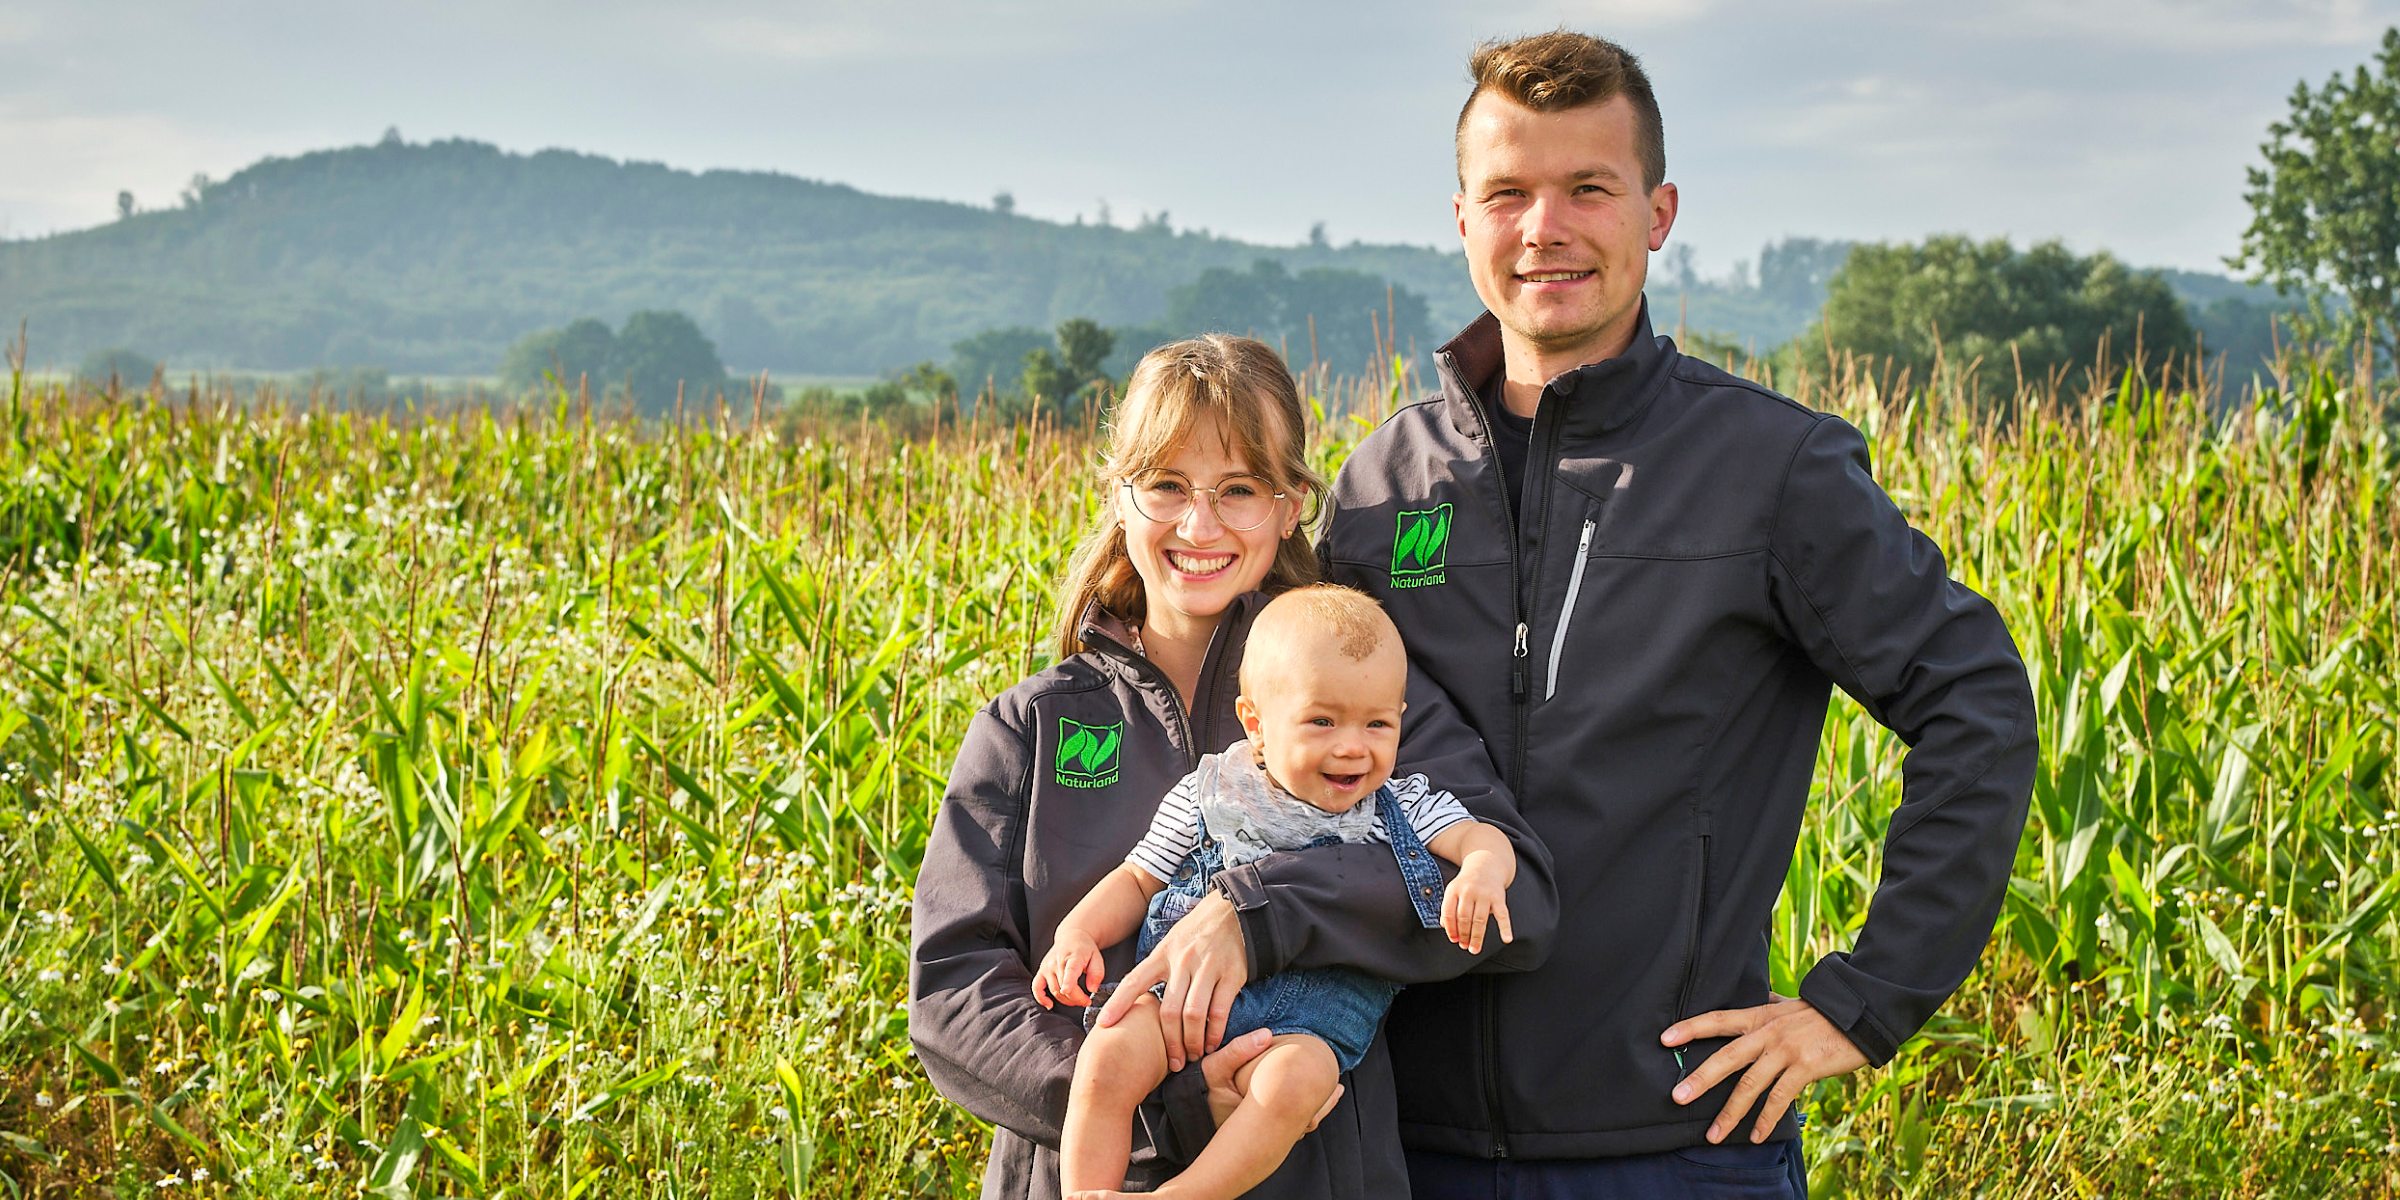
x=1107, y=634
x=1597, y=397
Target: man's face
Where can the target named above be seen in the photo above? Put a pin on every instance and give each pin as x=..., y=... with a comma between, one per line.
x=1557, y=226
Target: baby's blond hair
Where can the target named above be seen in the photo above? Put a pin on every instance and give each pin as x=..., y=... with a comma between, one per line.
x=1320, y=614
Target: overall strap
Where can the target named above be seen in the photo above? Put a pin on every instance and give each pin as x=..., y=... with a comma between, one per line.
x=1418, y=867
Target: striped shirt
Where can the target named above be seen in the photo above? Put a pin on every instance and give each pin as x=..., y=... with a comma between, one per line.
x=1251, y=817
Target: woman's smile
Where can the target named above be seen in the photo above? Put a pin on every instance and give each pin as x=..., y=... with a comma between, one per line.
x=1201, y=564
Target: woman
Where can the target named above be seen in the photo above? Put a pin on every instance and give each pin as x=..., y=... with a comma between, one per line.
x=1059, y=776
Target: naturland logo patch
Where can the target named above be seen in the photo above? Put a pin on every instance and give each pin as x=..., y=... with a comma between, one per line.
x=1420, y=547
x=1087, y=754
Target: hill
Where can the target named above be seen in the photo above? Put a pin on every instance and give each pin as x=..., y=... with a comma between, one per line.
x=433, y=257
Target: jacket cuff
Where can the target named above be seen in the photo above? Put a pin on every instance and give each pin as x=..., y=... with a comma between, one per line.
x=1831, y=995
x=1248, y=894
x=1189, y=1124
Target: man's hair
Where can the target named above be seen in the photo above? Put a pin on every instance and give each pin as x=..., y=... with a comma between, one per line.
x=1320, y=614
x=1555, y=71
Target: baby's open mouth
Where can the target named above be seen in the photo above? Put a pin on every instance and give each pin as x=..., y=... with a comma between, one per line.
x=1344, y=781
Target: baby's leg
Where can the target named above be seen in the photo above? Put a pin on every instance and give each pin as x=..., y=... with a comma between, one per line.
x=1282, y=1089
x=1116, y=1070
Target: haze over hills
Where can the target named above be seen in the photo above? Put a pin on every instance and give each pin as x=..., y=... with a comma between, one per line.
x=431, y=258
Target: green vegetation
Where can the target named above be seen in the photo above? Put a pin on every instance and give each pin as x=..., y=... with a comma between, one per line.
x=658, y=360
x=117, y=366
x=434, y=258
x=524, y=802
x=1979, y=310
x=573, y=356
x=1077, y=372
x=1318, y=315
x=2326, y=207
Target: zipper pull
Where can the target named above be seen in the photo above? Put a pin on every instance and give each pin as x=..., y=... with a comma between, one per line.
x=1518, y=680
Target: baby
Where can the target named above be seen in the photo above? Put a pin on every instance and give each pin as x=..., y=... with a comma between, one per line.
x=1323, y=680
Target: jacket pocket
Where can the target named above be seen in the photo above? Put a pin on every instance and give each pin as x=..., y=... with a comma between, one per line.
x=1566, y=611
x=1691, y=937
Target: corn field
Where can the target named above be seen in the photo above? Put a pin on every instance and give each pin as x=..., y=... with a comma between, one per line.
x=524, y=803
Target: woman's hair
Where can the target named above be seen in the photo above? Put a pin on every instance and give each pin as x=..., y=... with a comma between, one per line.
x=1180, y=390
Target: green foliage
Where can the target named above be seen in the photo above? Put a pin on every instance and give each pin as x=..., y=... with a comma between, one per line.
x=1992, y=316
x=993, y=359
x=503, y=806
x=437, y=717
x=1083, y=346
x=579, y=353
x=129, y=369
x=930, y=381
x=2325, y=210
x=434, y=257
x=1342, y=318
x=661, y=356
x=1069, y=378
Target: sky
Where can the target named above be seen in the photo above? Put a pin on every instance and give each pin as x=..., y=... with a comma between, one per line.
x=2112, y=124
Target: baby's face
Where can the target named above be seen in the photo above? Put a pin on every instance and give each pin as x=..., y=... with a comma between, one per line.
x=1328, y=724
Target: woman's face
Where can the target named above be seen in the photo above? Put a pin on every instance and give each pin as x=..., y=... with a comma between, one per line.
x=1193, y=567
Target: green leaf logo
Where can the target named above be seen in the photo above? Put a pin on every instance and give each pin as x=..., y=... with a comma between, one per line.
x=1087, y=754
x=1421, y=544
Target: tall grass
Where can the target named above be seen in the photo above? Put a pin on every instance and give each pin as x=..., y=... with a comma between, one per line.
x=523, y=803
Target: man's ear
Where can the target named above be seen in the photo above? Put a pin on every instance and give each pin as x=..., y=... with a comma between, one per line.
x=1663, y=202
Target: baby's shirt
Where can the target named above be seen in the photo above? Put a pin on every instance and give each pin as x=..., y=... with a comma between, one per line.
x=1251, y=817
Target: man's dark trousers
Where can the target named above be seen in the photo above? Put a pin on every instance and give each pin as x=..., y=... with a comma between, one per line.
x=1736, y=1170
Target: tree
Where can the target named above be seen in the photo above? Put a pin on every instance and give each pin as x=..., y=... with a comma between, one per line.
x=581, y=350
x=661, y=354
x=124, y=205
x=1067, y=378
x=933, y=382
x=2325, y=210
x=1337, y=314
x=1987, y=312
x=1795, y=271
x=1083, y=345
x=118, y=367
x=994, y=358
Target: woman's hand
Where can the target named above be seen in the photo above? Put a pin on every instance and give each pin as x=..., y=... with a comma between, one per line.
x=1071, y=969
x=1204, y=964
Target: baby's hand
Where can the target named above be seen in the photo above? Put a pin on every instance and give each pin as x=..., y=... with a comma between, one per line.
x=1478, y=895
x=1070, y=970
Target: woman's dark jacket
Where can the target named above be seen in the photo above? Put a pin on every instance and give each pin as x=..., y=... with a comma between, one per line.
x=1054, y=783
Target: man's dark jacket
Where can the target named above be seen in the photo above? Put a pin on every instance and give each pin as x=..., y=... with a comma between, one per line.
x=1055, y=781
x=1648, y=648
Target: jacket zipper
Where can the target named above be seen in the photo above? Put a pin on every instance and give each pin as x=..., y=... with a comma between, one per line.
x=1566, y=611
x=1200, y=695
x=1520, y=688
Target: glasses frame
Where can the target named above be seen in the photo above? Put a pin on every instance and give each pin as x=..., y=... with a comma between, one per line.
x=1134, y=497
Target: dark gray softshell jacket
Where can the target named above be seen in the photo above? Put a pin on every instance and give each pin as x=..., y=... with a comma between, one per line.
x=1648, y=649
x=1055, y=781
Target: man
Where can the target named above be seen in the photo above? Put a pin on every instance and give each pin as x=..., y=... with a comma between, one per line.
x=1638, y=577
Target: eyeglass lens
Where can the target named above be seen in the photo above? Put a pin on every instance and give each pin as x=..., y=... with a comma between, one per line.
x=1241, y=501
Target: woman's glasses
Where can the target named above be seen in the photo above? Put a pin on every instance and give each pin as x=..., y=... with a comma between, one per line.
x=1240, y=501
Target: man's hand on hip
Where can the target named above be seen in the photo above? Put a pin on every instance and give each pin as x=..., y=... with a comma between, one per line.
x=1786, y=1045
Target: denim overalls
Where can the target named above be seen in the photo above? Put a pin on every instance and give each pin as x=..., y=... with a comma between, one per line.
x=1340, y=1006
